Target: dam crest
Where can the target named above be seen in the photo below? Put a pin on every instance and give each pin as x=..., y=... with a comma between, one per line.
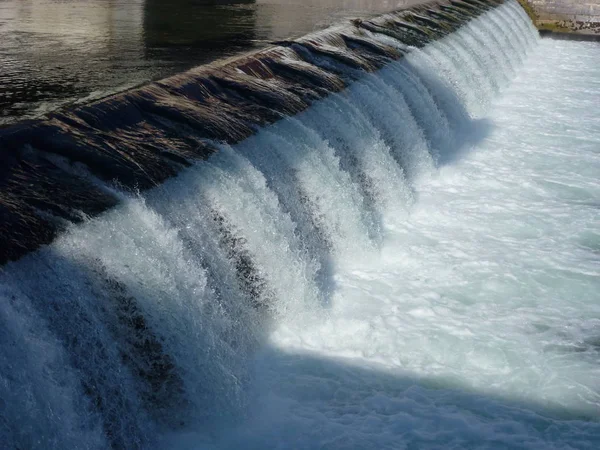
x=151, y=239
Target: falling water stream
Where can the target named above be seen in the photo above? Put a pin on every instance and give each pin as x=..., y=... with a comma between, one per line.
x=411, y=263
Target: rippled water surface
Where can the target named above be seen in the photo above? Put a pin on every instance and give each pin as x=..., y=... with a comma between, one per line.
x=56, y=52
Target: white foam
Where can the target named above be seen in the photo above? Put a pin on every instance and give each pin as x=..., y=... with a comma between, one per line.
x=479, y=325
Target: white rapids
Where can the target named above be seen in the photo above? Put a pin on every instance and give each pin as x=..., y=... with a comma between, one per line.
x=479, y=325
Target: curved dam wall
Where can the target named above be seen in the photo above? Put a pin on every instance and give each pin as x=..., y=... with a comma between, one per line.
x=263, y=177
x=72, y=164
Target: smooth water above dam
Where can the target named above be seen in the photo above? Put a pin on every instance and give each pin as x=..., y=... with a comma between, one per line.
x=57, y=53
x=410, y=263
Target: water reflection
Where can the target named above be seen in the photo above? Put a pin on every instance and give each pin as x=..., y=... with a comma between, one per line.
x=182, y=33
x=279, y=19
x=56, y=52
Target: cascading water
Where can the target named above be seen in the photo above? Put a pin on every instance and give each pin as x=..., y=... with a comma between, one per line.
x=409, y=263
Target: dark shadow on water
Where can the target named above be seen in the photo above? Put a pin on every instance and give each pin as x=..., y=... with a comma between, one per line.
x=186, y=33
x=302, y=401
x=464, y=132
x=469, y=135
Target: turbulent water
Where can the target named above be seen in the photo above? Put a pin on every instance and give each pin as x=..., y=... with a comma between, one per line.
x=412, y=263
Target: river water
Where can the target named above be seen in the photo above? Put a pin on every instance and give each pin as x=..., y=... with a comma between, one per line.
x=56, y=53
x=421, y=270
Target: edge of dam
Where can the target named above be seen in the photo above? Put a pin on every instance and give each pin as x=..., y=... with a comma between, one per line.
x=63, y=168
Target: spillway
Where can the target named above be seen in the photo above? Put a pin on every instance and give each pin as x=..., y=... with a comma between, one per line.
x=384, y=238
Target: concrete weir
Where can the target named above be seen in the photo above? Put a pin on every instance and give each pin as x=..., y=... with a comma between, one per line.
x=64, y=168
x=566, y=19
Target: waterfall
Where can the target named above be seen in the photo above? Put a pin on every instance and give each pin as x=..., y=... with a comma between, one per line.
x=142, y=320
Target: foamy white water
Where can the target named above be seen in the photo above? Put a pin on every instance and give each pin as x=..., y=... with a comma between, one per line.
x=479, y=327
x=411, y=263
